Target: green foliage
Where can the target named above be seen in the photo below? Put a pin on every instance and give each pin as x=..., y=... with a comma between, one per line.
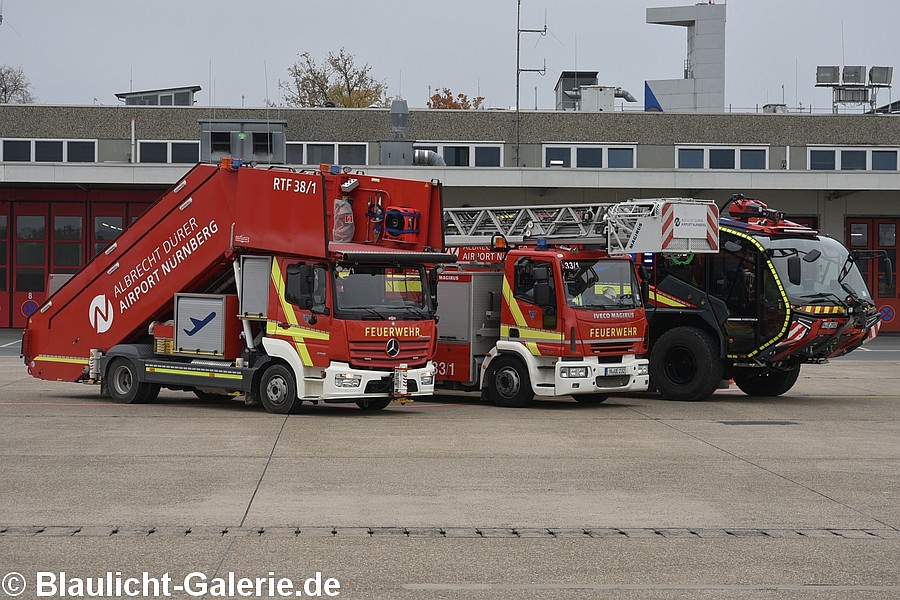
x=336, y=82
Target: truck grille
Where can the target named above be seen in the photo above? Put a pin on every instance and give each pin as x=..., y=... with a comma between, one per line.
x=372, y=355
x=613, y=381
x=612, y=349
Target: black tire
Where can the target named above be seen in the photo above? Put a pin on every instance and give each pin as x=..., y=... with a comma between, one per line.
x=685, y=364
x=374, y=404
x=508, y=383
x=278, y=390
x=591, y=398
x=764, y=382
x=123, y=386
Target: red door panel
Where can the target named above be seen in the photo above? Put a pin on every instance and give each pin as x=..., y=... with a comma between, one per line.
x=29, y=234
x=878, y=233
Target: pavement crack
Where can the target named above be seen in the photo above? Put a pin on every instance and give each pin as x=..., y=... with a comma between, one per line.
x=263, y=474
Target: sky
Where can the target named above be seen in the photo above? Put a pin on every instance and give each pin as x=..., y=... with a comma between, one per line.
x=86, y=51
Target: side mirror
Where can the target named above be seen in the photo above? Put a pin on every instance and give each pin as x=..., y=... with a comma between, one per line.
x=644, y=275
x=812, y=256
x=732, y=246
x=793, y=263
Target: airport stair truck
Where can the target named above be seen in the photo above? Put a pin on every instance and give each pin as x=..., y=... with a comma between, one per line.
x=283, y=286
x=559, y=312
x=777, y=295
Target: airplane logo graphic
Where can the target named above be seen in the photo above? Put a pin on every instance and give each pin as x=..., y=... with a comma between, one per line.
x=200, y=323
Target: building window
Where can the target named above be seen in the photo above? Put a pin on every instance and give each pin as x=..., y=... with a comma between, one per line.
x=557, y=157
x=220, y=141
x=753, y=159
x=690, y=158
x=461, y=154
x=48, y=151
x=721, y=158
x=853, y=160
x=153, y=152
x=487, y=156
x=81, y=151
x=620, y=158
x=185, y=152
x=589, y=157
x=106, y=229
x=17, y=150
x=262, y=142
x=456, y=156
x=884, y=160
x=821, y=160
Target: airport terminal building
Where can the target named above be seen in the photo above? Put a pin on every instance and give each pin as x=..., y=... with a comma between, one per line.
x=72, y=177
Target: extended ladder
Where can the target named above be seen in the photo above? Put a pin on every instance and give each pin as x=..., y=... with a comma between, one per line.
x=675, y=225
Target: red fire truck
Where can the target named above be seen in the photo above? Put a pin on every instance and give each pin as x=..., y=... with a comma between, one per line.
x=283, y=286
x=775, y=295
x=563, y=313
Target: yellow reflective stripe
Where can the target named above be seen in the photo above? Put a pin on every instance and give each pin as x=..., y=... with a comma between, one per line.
x=662, y=299
x=785, y=302
x=297, y=332
x=75, y=360
x=514, y=309
x=194, y=373
x=525, y=333
x=289, y=313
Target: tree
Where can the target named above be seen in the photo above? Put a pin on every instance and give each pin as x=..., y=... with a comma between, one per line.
x=446, y=99
x=14, y=86
x=336, y=82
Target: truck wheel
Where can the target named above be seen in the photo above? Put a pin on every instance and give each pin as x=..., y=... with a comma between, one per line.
x=760, y=382
x=591, y=398
x=278, y=390
x=123, y=385
x=374, y=403
x=508, y=383
x=685, y=364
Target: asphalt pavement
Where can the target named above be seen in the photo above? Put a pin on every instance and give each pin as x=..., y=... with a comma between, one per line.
x=735, y=497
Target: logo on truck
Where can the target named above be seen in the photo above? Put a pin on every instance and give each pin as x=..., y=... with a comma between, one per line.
x=392, y=348
x=100, y=313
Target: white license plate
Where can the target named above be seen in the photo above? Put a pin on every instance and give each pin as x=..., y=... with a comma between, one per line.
x=616, y=371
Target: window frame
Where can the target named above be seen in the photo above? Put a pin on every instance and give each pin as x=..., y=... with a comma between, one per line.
x=737, y=150
x=573, y=149
x=838, y=153
x=335, y=150
x=472, y=150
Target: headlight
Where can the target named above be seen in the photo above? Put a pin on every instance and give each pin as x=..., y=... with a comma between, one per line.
x=428, y=378
x=643, y=369
x=573, y=372
x=347, y=380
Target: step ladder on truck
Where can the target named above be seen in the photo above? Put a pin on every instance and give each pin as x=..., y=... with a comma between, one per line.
x=547, y=300
x=285, y=287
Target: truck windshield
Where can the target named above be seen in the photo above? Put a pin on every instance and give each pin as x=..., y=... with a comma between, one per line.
x=600, y=284
x=381, y=292
x=827, y=273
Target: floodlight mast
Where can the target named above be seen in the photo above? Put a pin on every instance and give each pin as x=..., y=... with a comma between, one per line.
x=519, y=70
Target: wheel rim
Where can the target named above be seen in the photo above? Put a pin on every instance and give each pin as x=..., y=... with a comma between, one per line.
x=680, y=366
x=123, y=380
x=508, y=382
x=276, y=391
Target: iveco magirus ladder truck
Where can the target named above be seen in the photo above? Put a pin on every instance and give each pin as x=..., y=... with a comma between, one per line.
x=559, y=311
x=281, y=286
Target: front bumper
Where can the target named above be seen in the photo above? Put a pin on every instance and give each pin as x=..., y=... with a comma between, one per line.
x=631, y=375
x=344, y=383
